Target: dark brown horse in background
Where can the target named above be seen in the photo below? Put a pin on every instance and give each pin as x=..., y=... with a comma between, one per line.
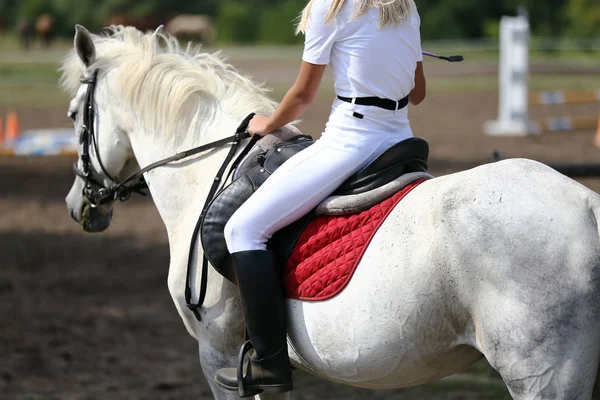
x=44, y=28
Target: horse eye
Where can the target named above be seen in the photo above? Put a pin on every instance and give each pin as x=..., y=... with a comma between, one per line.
x=73, y=115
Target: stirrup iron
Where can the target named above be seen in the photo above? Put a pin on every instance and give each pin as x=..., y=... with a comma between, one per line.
x=246, y=347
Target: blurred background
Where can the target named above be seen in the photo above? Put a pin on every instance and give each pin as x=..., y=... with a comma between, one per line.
x=90, y=317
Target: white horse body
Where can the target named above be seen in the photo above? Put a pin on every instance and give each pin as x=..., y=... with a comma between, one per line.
x=465, y=263
x=501, y=261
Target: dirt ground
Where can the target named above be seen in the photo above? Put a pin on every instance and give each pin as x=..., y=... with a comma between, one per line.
x=89, y=317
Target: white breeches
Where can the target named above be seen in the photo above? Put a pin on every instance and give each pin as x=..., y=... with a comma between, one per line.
x=301, y=184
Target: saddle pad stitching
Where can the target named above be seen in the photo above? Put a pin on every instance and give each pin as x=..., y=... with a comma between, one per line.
x=323, y=259
x=318, y=273
x=350, y=257
x=341, y=231
x=305, y=271
x=368, y=231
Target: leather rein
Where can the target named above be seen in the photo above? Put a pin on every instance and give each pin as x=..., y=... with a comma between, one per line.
x=97, y=194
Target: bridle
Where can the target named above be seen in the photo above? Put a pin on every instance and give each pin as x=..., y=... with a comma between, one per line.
x=97, y=194
x=94, y=191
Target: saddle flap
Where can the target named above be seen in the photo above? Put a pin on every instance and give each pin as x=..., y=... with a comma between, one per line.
x=263, y=145
x=228, y=200
x=282, y=152
x=212, y=230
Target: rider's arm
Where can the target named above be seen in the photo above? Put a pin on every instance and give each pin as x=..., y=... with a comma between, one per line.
x=299, y=97
x=417, y=95
x=320, y=37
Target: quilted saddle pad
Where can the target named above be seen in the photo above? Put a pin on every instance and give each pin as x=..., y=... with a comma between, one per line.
x=330, y=248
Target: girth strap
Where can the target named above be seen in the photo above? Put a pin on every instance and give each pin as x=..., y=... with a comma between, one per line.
x=194, y=307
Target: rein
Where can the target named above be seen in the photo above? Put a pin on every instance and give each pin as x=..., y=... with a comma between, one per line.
x=97, y=194
x=242, y=132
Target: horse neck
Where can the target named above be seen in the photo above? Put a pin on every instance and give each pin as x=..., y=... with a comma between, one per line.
x=179, y=191
x=180, y=188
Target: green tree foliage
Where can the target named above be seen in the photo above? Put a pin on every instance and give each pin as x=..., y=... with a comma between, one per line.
x=33, y=8
x=8, y=11
x=158, y=9
x=547, y=17
x=272, y=21
x=95, y=13
x=71, y=12
x=277, y=24
x=238, y=22
x=583, y=18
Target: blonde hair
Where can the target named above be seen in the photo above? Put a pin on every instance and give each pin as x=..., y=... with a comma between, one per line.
x=391, y=11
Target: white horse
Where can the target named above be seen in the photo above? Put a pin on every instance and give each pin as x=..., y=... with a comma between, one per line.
x=501, y=261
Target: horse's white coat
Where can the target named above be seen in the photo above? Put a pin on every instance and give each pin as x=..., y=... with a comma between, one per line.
x=501, y=261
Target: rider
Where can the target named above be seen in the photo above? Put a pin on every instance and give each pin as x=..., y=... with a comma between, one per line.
x=373, y=48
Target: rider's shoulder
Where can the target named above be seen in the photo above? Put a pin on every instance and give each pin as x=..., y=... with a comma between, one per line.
x=415, y=19
x=320, y=7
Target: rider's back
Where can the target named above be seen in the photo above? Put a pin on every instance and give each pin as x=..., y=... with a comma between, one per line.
x=367, y=60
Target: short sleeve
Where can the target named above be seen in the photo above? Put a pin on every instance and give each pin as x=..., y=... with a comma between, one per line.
x=415, y=23
x=320, y=36
x=419, y=51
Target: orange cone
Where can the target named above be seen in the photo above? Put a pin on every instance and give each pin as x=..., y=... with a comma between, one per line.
x=1, y=132
x=597, y=138
x=13, y=128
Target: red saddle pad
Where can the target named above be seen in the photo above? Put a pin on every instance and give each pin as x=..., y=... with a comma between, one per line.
x=330, y=248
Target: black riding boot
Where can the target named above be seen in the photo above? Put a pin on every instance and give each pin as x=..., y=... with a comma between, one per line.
x=268, y=369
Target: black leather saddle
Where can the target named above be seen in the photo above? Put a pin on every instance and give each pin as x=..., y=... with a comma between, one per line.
x=410, y=155
x=407, y=156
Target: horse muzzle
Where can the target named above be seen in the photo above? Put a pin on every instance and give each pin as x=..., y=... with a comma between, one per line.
x=93, y=220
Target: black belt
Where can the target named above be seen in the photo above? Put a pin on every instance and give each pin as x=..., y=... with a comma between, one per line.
x=377, y=102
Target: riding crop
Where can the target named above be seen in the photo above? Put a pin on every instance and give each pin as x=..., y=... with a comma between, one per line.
x=449, y=58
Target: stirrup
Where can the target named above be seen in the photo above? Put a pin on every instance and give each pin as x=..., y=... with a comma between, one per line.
x=246, y=347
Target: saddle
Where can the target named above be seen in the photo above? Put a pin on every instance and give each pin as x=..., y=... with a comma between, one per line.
x=387, y=174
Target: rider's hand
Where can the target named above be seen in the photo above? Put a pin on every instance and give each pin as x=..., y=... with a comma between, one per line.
x=259, y=125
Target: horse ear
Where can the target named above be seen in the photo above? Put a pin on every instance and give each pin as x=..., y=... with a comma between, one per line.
x=159, y=30
x=84, y=45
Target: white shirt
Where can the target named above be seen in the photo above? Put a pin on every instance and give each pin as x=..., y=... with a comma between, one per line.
x=366, y=60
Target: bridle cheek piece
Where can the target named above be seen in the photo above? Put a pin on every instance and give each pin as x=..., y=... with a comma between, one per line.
x=97, y=194
x=94, y=191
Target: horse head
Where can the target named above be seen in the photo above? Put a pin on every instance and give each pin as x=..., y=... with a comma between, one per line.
x=105, y=154
x=139, y=98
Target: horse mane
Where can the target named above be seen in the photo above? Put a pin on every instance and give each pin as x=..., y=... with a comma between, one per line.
x=166, y=84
